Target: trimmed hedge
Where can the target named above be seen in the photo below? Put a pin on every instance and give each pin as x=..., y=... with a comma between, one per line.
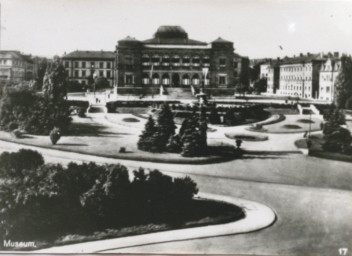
x=138, y=90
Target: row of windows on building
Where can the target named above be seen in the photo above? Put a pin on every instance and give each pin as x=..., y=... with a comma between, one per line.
x=87, y=73
x=327, y=89
x=165, y=79
x=294, y=88
x=87, y=64
x=298, y=68
x=327, y=77
x=175, y=60
x=329, y=67
x=295, y=78
x=13, y=63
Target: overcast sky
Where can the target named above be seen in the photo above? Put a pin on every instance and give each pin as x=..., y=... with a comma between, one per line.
x=257, y=27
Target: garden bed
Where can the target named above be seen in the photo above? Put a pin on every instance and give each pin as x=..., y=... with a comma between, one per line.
x=291, y=126
x=305, y=121
x=246, y=137
x=130, y=120
x=200, y=212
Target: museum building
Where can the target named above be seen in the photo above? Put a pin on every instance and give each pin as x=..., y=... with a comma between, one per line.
x=171, y=59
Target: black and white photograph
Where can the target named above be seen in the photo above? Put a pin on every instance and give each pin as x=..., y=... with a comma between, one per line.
x=188, y=127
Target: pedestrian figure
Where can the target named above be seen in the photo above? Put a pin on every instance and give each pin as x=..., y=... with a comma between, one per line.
x=96, y=100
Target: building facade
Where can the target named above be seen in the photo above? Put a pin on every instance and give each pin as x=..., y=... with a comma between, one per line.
x=299, y=76
x=241, y=70
x=16, y=67
x=171, y=59
x=273, y=78
x=83, y=65
x=264, y=70
x=327, y=77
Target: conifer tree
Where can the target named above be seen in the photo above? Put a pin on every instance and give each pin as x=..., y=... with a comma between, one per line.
x=165, y=127
x=214, y=117
x=145, y=141
x=343, y=82
x=191, y=139
x=203, y=127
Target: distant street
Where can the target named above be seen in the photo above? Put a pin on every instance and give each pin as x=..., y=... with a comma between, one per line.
x=309, y=196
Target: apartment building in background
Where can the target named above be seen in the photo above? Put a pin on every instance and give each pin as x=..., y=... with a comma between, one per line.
x=329, y=71
x=17, y=67
x=83, y=65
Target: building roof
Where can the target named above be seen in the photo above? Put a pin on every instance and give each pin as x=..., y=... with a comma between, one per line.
x=178, y=41
x=129, y=39
x=170, y=31
x=90, y=55
x=172, y=35
x=309, y=57
x=220, y=40
x=17, y=55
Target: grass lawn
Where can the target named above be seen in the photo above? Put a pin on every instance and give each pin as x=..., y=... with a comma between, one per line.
x=200, y=212
x=317, y=150
x=89, y=137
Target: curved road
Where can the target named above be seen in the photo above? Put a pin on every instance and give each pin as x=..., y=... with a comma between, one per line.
x=312, y=199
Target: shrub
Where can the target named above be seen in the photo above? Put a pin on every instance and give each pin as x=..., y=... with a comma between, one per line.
x=82, y=112
x=17, y=133
x=122, y=150
x=258, y=126
x=12, y=164
x=348, y=104
x=229, y=117
x=214, y=117
x=12, y=126
x=338, y=140
x=55, y=135
x=85, y=197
